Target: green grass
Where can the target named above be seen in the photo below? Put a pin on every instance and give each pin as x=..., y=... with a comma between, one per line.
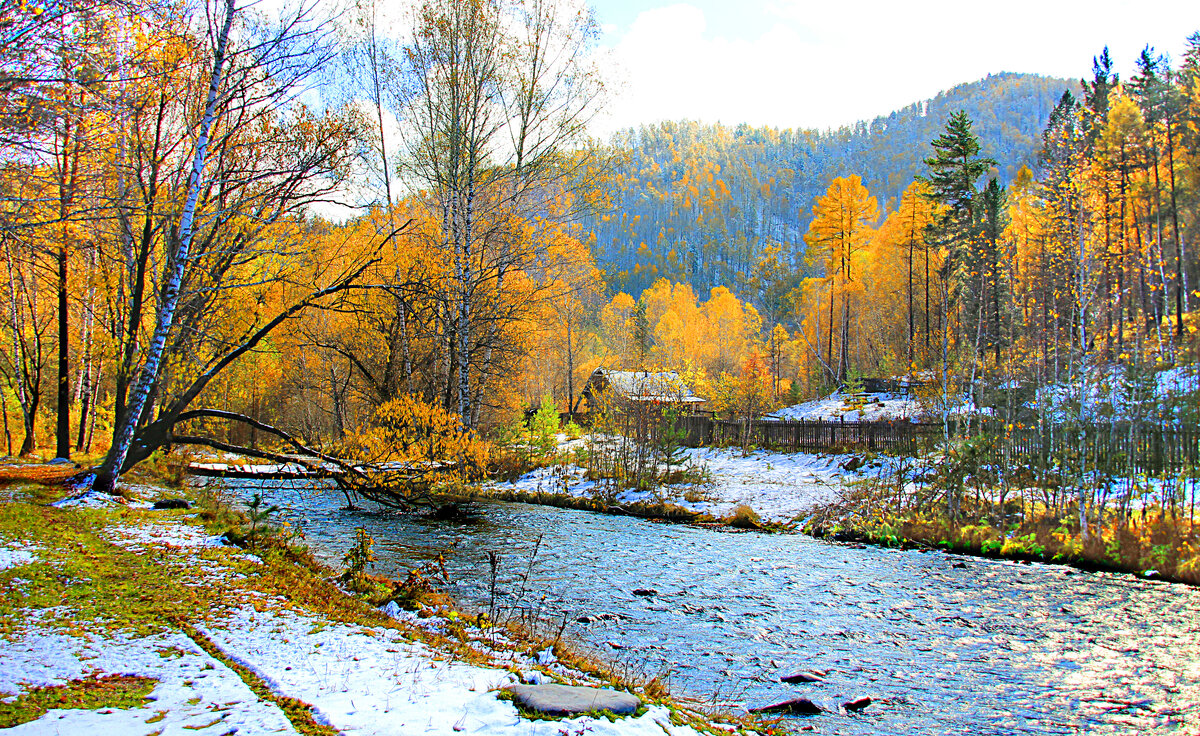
x=88, y=693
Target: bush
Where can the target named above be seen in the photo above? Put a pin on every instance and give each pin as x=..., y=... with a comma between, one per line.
x=744, y=517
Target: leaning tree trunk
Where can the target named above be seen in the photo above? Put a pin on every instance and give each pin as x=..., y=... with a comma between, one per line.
x=114, y=462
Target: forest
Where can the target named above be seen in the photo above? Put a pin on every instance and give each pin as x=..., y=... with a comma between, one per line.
x=171, y=279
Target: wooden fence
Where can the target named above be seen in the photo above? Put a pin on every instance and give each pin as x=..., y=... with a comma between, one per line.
x=901, y=435
x=1119, y=447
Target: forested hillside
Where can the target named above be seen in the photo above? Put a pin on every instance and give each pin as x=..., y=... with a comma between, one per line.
x=699, y=203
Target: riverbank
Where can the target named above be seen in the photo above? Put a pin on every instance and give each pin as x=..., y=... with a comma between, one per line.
x=121, y=618
x=1153, y=543
x=851, y=498
x=726, y=484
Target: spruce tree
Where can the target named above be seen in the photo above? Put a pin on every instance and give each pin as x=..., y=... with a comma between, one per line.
x=954, y=169
x=990, y=263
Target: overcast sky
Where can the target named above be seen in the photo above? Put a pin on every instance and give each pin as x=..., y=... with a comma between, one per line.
x=804, y=64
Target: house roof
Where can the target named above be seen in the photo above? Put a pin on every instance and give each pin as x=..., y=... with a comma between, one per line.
x=662, y=386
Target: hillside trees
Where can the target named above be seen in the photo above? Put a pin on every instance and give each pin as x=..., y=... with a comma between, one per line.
x=700, y=203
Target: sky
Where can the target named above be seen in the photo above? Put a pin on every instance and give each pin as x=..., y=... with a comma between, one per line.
x=804, y=64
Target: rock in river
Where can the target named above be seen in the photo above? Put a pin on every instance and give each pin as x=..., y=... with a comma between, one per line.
x=857, y=704
x=795, y=706
x=565, y=700
x=645, y=591
x=172, y=503
x=802, y=677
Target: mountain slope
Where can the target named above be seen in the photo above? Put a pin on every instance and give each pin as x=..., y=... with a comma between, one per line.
x=698, y=202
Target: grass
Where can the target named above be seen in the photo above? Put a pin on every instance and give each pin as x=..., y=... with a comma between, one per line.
x=88, y=693
x=1154, y=540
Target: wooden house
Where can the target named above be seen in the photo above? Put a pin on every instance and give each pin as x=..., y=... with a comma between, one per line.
x=608, y=390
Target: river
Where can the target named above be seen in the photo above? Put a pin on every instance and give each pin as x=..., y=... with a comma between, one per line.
x=943, y=644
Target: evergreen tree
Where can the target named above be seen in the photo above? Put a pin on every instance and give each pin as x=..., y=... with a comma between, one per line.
x=954, y=169
x=1096, y=94
x=991, y=264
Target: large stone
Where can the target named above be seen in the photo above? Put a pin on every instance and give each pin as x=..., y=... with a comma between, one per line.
x=795, y=706
x=172, y=503
x=802, y=677
x=565, y=700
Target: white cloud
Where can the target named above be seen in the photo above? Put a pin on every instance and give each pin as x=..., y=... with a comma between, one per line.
x=827, y=64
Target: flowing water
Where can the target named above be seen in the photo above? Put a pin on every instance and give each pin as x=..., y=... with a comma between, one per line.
x=987, y=648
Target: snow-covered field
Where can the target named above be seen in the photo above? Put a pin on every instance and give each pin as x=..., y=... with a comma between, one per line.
x=838, y=405
x=358, y=680
x=779, y=486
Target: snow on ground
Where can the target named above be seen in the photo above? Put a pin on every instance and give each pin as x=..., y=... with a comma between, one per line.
x=1108, y=393
x=168, y=534
x=15, y=557
x=779, y=486
x=93, y=499
x=838, y=406
x=358, y=680
x=194, y=692
x=371, y=683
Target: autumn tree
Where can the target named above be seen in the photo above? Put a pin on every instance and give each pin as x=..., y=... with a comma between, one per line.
x=839, y=233
x=499, y=93
x=256, y=161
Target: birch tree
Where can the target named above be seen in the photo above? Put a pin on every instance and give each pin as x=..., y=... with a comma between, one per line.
x=499, y=98
x=255, y=161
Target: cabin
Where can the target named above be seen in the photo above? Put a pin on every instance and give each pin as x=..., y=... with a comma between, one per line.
x=606, y=388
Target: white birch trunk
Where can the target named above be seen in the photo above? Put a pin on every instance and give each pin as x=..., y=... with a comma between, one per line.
x=173, y=278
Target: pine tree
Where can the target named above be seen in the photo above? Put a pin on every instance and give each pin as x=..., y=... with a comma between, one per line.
x=954, y=169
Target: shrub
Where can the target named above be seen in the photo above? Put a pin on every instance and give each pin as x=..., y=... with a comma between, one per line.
x=744, y=517
x=356, y=560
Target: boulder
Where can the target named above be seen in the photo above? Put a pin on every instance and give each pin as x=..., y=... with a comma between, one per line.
x=567, y=700
x=645, y=591
x=172, y=503
x=802, y=677
x=854, y=463
x=857, y=704
x=795, y=706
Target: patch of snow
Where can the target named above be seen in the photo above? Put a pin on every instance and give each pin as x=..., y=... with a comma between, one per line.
x=194, y=690
x=777, y=485
x=93, y=499
x=1108, y=393
x=15, y=557
x=380, y=683
x=838, y=405
x=166, y=534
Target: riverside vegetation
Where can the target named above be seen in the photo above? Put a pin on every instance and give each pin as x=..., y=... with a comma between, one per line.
x=952, y=501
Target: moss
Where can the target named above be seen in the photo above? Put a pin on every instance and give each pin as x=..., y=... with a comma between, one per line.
x=89, y=693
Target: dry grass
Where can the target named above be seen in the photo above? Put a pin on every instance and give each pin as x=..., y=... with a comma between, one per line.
x=46, y=475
